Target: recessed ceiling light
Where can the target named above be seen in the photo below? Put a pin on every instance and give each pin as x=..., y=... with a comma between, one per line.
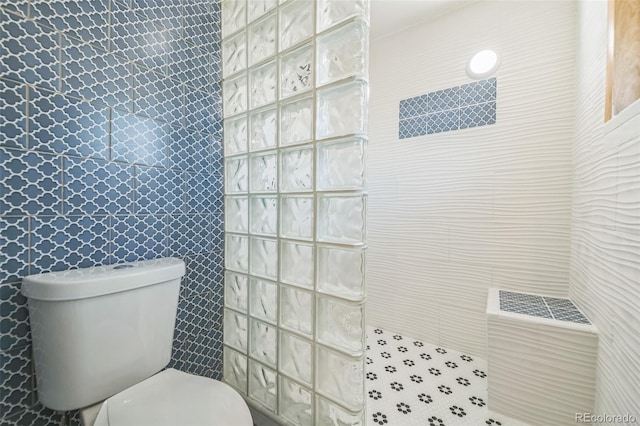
x=483, y=64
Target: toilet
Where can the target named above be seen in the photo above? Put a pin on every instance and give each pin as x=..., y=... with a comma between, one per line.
x=102, y=337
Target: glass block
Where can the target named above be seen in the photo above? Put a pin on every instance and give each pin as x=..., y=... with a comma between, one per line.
x=330, y=12
x=330, y=414
x=264, y=215
x=235, y=95
x=237, y=248
x=340, y=378
x=236, y=172
x=341, y=164
x=296, y=264
x=296, y=217
x=341, y=218
x=235, y=330
x=235, y=369
x=236, y=289
x=340, y=324
x=342, y=110
x=234, y=54
x=263, y=129
x=296, y=22
x=234, y=16
x=235, y=135
x=236, y=216
x=264, y=173
x=262, y=39
x=296, y=310
x=296, y=71
x=264, y=300
x=264, y=258
x=263, y=84
x=258, y=8
x=343, y=52
x=296, y=357
x=296, y=169
x=341, y=272
x=263, y=387
x=264, y=341
x=296, y=403
x=296, y=122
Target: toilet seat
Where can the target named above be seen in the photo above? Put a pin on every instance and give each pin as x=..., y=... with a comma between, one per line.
x=172, y=398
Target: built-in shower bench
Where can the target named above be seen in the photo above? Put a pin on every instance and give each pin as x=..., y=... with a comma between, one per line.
x=541, y=358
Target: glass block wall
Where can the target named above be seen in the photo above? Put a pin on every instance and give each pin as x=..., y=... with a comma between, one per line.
x=295, y=98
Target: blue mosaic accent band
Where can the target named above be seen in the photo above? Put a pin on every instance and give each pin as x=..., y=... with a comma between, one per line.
x=460, y=107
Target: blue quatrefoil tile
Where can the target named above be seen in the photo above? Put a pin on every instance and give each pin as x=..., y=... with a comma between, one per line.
x=67, y=242
x=202, y=111
x=13, y=110
x=30, y=183
x=443, y=121
x=217, y=231
x=17, y=6
x=177, y=355
x=14, y=318
x=93, y=74
x=413, y=107
x=166, y=14
x=158, y=190
x=478, y=92
x=443, y=100
x=158, y=96
x=97, y=187
x=138, y=38
x=478, y=115
x=67, y=126
x=28, y=51
x=198, y=25
x=200, y=356
x=204, y=193
x=82, y=19
x=204, y=272
x=188, y=64
x=189, y=234
x=37, y=415
x=138, y=140
x=14, y=245
x=217, y=156
x=188, y=150
x=15, y=387
x=412, y=127
x=193, y=318
x=138, y=237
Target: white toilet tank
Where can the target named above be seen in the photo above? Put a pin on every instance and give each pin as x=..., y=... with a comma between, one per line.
x=97, y=331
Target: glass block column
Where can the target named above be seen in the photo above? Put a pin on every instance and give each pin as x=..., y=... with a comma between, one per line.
x=295, y=121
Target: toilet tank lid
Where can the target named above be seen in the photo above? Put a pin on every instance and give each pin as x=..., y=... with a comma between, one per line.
x=100, y=280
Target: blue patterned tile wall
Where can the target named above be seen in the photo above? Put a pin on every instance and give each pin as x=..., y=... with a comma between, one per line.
x=460, y=107
x=109, y=152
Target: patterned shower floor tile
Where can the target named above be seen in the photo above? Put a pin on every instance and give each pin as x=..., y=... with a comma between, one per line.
x=409, y=382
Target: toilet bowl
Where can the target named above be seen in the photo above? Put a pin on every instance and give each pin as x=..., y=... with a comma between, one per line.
x=172, y=398
x=116, y=325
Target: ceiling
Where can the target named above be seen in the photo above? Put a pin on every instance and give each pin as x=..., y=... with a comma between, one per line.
x=390, y=16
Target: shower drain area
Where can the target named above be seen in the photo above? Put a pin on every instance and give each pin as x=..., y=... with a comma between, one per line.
x=409, y=382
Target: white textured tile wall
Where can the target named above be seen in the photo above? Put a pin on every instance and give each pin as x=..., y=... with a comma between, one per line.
x=453, y=214
x=605, y=235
